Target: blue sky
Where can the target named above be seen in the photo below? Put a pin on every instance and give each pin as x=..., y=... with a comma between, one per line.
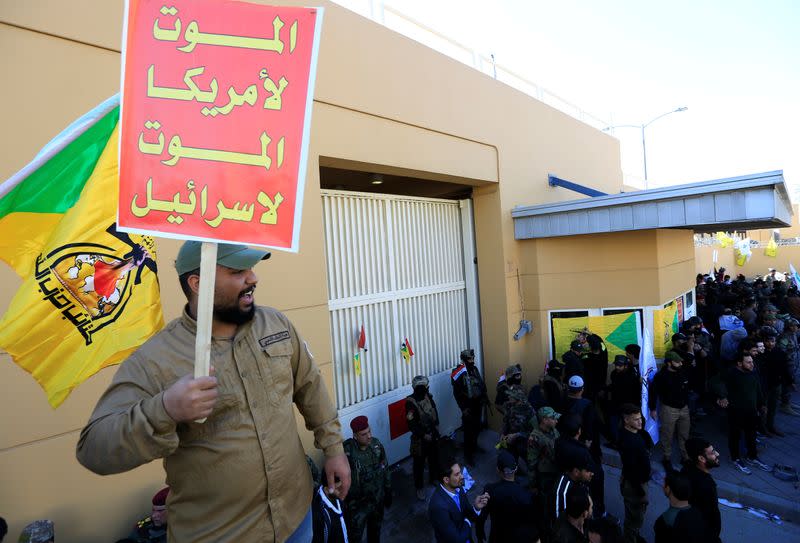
x=735, y=64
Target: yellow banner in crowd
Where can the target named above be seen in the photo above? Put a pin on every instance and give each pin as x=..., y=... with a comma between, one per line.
x=617, y=331
x=665, y=323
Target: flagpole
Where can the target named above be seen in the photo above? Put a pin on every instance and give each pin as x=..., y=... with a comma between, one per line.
x=205, y=310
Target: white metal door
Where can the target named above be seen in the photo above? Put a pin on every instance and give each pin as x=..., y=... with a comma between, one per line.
x=398, y=265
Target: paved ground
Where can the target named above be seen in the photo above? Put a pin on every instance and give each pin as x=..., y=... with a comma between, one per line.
x=775, y=450
x=407, y=520
x=760, y=488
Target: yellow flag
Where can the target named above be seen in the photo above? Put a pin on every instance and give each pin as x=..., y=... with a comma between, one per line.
x=741, y=258
x=90, y=295
x=772, y=248
x=724, y=239
x=357, y=363
x=665, y=323
x=616, y=331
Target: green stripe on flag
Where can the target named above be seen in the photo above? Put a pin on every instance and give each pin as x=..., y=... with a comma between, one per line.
x=625, y=334
x=57, y=184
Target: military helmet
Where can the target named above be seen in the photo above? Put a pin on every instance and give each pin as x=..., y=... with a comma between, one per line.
x=467, y=354
x=419, y=380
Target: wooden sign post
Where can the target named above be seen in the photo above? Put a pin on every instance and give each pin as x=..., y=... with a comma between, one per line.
x=205, y=310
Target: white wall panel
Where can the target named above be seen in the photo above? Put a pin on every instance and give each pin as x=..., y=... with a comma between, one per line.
x=396, y=265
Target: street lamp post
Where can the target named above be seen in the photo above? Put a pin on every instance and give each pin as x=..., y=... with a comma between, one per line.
x=641, y=127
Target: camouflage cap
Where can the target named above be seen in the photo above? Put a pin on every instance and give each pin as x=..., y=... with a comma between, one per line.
x=38, y=531
x=548, y=413
x=514, y=369
x=419, y=380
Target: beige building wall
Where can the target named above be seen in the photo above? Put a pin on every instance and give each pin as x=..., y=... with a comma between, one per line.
x=625, y=269
x=383, y=103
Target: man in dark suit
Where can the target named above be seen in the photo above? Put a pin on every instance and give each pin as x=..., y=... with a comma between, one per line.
x=449, y=510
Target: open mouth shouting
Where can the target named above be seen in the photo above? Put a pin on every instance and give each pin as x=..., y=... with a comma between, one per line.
x=246, y=296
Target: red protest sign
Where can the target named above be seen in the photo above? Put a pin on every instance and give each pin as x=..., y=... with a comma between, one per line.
x=216, y=108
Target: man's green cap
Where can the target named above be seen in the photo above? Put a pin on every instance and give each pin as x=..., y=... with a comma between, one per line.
x=548, y=413
x=672, y=355
x=237, y=257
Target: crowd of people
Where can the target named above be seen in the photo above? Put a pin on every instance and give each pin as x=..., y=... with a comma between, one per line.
x=738, y=354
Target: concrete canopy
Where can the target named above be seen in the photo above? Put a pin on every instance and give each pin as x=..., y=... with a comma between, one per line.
x=737, y=203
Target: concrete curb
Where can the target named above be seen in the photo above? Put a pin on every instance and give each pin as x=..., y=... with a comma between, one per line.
x=788, y=510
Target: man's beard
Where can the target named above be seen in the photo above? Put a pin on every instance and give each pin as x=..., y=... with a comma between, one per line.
x=233, y=314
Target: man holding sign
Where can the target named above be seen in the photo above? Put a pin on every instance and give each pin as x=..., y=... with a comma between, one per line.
x=242, y=474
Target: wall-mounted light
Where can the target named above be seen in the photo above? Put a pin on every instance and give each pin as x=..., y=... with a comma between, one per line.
x=376, y=179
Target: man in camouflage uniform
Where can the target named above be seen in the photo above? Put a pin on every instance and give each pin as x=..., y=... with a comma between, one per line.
x=371, y=487
x=470, y=394
x=423, y=422
x=153, y=529
x=542, y=468
x=519, y=418
x=511, y=374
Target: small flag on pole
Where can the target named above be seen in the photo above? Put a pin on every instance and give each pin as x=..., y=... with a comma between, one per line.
x=357, y=363
x=405, y=350
x=362, y=339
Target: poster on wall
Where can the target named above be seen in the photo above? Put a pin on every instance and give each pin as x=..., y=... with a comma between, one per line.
x=681, y=315
x=665, y=323
x=216, y=110
x=617, y=331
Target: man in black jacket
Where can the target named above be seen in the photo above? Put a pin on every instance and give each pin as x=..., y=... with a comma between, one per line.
x=327, y=517
x=576, y=404
x=571, y=525
x=625, y=388
x=511, y=508
x=740, y=392
x=670, y=387
x=703, y=497
x=595, y=363
x=680, y=523
x=574, y=462
x=573, y=360
x=635, y=445
x=774, y=368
